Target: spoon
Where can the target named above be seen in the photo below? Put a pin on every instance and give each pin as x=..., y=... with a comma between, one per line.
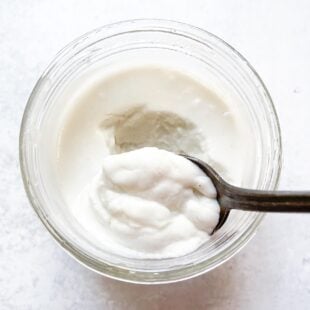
x=233, y=197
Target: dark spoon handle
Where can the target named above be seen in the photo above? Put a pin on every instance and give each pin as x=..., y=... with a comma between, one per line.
x=264, y=201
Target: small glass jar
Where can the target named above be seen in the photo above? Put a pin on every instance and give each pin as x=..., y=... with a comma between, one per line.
x=205, y=53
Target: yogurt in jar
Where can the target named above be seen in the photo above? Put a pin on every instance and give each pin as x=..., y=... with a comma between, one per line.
x=126, y=207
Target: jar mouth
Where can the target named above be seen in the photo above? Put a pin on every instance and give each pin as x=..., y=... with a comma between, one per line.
x=167, y=270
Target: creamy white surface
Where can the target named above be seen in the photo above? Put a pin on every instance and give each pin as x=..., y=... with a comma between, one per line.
x=149, y=201
x=146, y=105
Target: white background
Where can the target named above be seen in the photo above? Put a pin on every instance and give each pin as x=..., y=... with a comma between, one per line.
x=272, y=272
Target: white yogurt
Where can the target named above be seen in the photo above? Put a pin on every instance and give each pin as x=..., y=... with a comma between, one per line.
x=147, y=106
x=150, y=201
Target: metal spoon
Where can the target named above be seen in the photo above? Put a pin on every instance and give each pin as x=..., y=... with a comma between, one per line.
x=233, y=197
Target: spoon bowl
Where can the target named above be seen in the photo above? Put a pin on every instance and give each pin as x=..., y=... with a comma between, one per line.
x=233, y=197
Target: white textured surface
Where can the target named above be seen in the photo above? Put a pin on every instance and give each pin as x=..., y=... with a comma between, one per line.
x=272, y=272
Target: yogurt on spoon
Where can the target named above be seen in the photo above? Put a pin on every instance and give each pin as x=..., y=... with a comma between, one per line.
x=150, y=201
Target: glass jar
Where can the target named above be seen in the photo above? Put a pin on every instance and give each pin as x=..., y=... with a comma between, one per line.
x=203, y=52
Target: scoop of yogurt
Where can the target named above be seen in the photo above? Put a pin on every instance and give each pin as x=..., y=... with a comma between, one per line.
x=152, y=202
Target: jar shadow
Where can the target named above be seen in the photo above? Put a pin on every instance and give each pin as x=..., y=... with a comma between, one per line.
x=243, y=280
x=209, y=291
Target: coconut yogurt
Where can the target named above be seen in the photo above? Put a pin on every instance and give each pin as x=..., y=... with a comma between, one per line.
x=152, y=201
x=148, y=202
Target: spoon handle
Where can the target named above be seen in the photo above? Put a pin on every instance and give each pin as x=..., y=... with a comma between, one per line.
x=265, y=201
